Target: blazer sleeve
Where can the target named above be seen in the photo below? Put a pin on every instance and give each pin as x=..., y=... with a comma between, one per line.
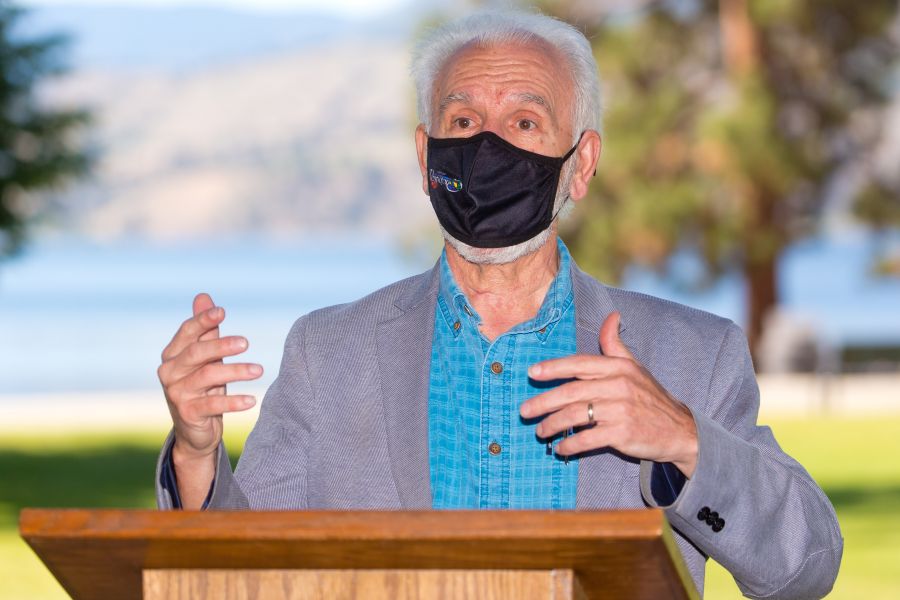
x=271, y=473
x=773, y=528
x=224, y=493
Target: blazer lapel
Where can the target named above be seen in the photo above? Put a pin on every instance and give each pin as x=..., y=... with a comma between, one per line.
x=404, y=361
x=600, y=473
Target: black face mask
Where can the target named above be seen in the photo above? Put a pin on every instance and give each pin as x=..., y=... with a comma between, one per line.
x=488, y=193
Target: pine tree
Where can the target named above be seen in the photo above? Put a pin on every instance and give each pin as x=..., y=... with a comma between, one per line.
x=36, y=147
x=726, y=123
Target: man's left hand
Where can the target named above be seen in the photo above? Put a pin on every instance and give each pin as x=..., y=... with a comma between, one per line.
x=632, y=412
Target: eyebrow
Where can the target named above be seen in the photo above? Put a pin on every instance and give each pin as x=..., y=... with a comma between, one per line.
x=464, y=98
x=455, y=97
x=535, y=99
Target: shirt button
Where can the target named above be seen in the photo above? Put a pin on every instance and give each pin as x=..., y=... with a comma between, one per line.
x=497, y=368
x=542, y=330
x=494, y=448
x=456, y=326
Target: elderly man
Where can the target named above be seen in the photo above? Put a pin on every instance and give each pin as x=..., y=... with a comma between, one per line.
x=505, y=377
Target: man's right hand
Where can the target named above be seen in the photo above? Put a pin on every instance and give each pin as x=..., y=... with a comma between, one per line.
x=193, y=378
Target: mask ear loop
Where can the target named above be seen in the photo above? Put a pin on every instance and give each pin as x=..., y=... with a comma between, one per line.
x=572, y=151
x=566, y=157
x=556, y=214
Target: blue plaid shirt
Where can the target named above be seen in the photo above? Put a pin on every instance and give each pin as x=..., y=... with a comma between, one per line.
x=482, y=453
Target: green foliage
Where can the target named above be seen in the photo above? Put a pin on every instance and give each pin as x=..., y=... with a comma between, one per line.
x=36, y=143
x=724, y=130
x=730, y=165
x=878, y=204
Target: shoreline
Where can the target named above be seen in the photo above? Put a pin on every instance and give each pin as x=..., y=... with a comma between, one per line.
x=789, y=395
x=93, y=411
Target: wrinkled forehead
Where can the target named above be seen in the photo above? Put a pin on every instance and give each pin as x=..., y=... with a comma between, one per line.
x=525, y=60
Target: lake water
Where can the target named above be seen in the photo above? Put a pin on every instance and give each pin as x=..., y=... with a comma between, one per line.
x=83, y=316
x=78, y=316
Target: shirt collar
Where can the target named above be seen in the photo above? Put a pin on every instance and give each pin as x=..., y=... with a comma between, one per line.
x=458, y=313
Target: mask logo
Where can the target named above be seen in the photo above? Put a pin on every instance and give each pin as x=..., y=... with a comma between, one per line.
x=437, y=178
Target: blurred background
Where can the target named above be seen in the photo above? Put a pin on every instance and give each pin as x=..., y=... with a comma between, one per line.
x=263, y=152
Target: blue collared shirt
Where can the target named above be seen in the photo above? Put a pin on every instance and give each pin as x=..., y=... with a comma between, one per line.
x=482, y=454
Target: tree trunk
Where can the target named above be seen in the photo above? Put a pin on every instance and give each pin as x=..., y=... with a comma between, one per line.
x=762, y=296
x=740, y=53
x=739, y=45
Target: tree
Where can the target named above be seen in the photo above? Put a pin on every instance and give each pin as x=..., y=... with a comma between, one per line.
x=36, y=147
x=727, y=124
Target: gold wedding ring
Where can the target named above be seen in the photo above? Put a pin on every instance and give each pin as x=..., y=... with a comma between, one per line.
x=590, y=414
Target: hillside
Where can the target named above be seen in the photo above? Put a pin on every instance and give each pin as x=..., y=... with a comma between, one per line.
x=310, y=129
x=318, y=138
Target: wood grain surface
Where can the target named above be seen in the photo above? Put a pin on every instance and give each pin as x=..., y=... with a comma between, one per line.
x=612, y=554
x=374, y=584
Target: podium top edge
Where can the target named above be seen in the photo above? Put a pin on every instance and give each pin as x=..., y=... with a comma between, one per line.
x=634, y=524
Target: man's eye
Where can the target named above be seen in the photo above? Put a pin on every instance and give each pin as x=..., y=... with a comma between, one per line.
x=463, y=122
x=526, y=124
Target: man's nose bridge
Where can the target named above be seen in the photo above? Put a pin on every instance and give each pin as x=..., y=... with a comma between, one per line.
x=492, y=124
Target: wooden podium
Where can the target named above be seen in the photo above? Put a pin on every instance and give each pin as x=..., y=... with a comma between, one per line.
x=486, y=555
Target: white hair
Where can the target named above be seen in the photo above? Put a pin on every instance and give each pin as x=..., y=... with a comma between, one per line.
x=501, y=27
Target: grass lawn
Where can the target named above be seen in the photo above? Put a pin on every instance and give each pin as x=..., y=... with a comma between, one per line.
x=855, y=461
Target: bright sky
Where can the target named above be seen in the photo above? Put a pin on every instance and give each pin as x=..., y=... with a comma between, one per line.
x=345, y=7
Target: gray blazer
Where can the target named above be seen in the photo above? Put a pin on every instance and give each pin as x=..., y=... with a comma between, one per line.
x=345, y=426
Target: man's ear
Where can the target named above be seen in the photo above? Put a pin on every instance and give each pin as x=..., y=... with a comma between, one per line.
x=422, y=153
x=587, y=154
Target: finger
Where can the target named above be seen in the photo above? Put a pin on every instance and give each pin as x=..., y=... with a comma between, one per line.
x=579, y=366
x=218, y=374
x=568, y=417
x=586, y=440
x=200, y=353
x=193, y=330
x=610, y=342
x=204, y=302
x=558, y=397
x=212, y=406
